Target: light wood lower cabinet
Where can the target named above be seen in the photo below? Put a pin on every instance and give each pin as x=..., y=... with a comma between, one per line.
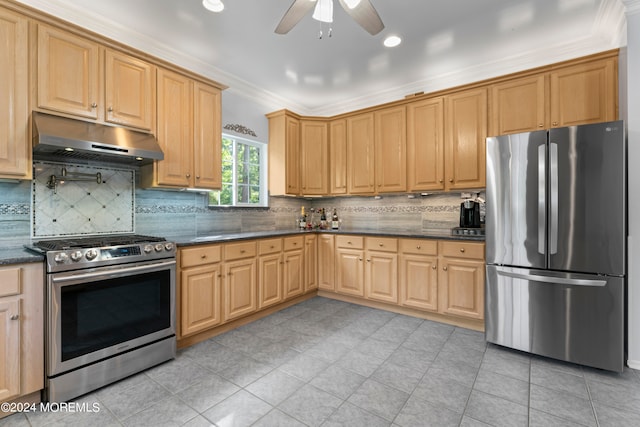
x=21, y=330
x=326, y=262
x=240, y=282
x=350, y=265
x=381, y=269
x=310, y=262
x=419, y=274
x=270, y=275
x=293, y=266
x=200, y=300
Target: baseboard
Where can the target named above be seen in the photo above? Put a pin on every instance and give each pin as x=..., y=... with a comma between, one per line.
x=634, y=364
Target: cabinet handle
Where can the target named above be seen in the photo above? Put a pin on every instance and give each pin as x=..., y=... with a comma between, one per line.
x=110, y=109
x=368, y=260
x=242, y=251
x=203, y=256
x=444, y=268
x=188, y=175
x=15, y=317
x=271, y=247
x=381, y=244
x=94, y=105
x=418, y=247
x=197, y=176
x=349, y=243
x=540, y=125
x=229, y=274
x=219, y=275
x=441, y=181
x=433, y=267
x=450, y=179
x=359, y=259
x=555, y=123
x=462, y=250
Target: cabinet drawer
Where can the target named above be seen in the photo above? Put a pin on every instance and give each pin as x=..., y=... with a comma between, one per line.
x=269, y=246
x=419, y=246
x=291, y=243
x=200, y=255
x=10, y=280
x=387, y=244
x=353, y=242
x=462, y=250
x=239, y=250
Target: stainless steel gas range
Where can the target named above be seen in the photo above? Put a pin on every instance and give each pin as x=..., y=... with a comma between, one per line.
x=110, y=310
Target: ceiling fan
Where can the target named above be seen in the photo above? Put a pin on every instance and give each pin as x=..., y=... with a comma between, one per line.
x=362, y=11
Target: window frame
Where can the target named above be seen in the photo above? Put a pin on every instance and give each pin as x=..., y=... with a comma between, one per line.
x=263, y=175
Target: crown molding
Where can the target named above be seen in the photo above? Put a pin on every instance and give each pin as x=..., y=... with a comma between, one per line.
x=607, y=32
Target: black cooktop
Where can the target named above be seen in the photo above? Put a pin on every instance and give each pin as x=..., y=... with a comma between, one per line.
x=95, y=242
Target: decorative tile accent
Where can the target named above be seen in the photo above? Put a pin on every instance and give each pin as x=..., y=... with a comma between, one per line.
x=239, y=129
x=82, y=207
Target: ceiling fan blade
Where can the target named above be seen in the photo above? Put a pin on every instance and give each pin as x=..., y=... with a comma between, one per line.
x=365, y=15
x=296, y=12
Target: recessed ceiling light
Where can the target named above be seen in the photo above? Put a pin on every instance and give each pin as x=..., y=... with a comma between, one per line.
x=213, y=5
x=392, y=41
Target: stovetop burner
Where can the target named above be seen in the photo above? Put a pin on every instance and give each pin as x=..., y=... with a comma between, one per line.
x=95, y=242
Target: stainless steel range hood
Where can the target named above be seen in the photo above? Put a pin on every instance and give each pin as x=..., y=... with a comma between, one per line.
x=63, y=139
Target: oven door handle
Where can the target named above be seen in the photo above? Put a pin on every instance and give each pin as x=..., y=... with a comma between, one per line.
x=114, y=272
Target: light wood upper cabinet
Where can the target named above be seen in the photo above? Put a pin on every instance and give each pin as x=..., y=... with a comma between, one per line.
x=314, y=164
x=130, y=91
x=391, y=149
x=518, y=105
x=425, y=145
x=175, y=130
x=68, y=73
x=338, y=156
x=360, y=154
x=465, y=133
x=284, y=153
x=207, y=136
x=584, y=93
x=15, y=145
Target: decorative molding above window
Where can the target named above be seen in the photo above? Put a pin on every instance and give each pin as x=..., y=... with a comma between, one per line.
x=240, y=129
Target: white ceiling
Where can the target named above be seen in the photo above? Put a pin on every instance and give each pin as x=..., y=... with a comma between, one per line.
x=445, y=43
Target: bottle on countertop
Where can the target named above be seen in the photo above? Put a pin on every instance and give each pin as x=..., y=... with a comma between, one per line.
x=323, y=220
x=335, y=222
x=302, y=220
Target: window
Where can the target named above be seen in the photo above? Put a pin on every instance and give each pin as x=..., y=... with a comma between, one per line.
x=244, y=170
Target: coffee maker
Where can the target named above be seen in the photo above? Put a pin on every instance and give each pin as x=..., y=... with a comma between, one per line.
x=470, y=214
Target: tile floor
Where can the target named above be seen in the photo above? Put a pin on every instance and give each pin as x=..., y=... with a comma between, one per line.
x=328, y=363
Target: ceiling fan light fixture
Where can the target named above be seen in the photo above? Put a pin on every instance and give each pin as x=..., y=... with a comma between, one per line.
x=323, y=11
x=392, y=41
x=213, y=5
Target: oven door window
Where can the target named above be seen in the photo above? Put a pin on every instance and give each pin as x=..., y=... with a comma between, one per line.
x=101, y=314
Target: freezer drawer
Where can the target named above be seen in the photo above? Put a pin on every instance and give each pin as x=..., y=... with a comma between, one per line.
x=578, y=318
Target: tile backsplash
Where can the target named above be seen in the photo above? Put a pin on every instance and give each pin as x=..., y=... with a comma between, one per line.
x=28, y=208
x=101, y=202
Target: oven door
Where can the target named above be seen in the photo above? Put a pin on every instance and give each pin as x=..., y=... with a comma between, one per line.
x=96, y=313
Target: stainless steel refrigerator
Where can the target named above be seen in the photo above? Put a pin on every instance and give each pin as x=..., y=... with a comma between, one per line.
x=556, y=243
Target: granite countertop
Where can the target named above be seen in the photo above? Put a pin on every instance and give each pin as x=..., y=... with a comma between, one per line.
x=18, y=255
x=226, y=237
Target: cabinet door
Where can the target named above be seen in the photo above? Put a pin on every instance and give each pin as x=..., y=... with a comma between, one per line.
x=391, y=149
x=269, y=280
x=350, y=272
x=200, y=304
x=419, y=281
x=381, y=276
x=68, y=73
x=338, y=156
x=239, y=288
x=9, y=348
x=130, y=91
x=175, y=124
x=518, y=106
x=584, y=93
x=360, y=154
x=310, y=263
x=15, y=147
x=326, y=262
x=293, y=273
x=466, y=134
x=425, y=145
x=314, y=158
x=207, y=137
x=292, y=154
x=461, y=287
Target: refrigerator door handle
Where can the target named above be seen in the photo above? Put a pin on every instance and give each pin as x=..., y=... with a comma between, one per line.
x=542, y=195
x=554, y=280
x=553, y=198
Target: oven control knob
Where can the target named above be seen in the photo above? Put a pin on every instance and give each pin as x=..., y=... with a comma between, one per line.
x=148, y=249
x=76, y=256
x=168, y=246
x=91, y=254
x=61, y=258
x=159, y=247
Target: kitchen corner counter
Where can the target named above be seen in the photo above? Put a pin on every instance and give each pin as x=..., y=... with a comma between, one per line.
x=183, y=241
x=18, y=255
